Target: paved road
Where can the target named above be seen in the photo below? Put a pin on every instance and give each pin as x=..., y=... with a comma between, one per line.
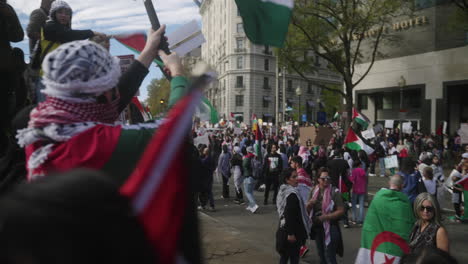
x=255, y=233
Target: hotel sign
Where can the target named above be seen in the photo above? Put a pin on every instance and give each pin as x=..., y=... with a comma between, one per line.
x=398, y=26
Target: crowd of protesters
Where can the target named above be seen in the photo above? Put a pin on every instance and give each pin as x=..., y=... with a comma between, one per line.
x=59, y=105
x=309, y=172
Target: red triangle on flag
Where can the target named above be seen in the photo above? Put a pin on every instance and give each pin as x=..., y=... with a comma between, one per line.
x=351, y=136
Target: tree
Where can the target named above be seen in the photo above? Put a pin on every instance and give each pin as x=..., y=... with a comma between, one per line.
x=158, y=90
x=332, y=101
x=345, y=33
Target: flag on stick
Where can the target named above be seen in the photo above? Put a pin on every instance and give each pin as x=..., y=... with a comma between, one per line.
x=266, y=21
x=361, y=119
x=386, y=229
x=354, y=142
x=157, y=188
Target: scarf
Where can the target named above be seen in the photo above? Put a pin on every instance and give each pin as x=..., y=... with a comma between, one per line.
x=304, y=178
x=304, y=154
x=283, y=194
x=59, y=111
x=327, y=207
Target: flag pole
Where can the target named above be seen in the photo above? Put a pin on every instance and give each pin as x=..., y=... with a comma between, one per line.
x=153, y=17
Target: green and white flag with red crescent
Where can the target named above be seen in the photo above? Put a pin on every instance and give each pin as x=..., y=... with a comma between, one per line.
x=360, y=119
x=354, y=142
x=386, y=229
x=266, y=22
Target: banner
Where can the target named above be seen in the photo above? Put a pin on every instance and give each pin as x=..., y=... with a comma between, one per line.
x=368, y=134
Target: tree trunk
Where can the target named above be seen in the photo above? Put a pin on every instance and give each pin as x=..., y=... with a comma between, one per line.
x=349, y=104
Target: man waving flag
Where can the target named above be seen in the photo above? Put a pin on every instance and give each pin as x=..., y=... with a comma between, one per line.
x=266, y=21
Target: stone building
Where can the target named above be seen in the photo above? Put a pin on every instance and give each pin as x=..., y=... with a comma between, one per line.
x=247, y=73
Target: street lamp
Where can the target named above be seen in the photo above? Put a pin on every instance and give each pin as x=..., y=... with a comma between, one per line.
x=401, y=84
x=299, y=93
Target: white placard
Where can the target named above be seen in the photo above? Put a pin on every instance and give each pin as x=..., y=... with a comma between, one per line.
x=186, y=38
x=389, y=123
x=270, y=124
x=368, y=134
x=444, y=129
x=237, y=131
x=407, y=128
x=201, y=140
x=463, y=132
x=289, y=129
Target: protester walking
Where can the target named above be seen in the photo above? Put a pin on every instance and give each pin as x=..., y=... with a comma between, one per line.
x=326, y=207
x=236, y=167
x=224, y=169
x=358, y=178
x=273, y=166
x=249, y=180
x=294, y=221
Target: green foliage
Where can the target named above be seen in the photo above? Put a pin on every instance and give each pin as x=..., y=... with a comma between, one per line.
x=158, y=89
x=345, y=33
x=333, y=102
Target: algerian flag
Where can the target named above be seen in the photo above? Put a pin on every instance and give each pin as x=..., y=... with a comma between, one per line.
x=354, y=142
x=360, y=119
x=386, y=229
x=266, y=21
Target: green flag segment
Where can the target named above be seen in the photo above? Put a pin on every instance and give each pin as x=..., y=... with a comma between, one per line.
x=360, y=119
x=266, y=21
x=386, y=230
x=353, y=142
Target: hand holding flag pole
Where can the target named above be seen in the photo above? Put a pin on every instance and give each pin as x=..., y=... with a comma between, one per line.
x=156, y=25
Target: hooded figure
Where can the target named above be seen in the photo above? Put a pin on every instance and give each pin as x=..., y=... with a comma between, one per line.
x=75, y=127
x=37, y=20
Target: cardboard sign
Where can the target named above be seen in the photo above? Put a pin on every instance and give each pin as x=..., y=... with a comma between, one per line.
x=324, y=135
x=307, y=135
x=389, y=124
x=186, y=38
x=368, y=134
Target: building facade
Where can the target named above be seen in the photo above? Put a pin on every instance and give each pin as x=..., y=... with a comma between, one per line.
x=424, y=75
x=247, y=73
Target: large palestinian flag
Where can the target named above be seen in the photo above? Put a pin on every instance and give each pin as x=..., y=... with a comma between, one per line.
x=266, y=21
x=386, y=229
x=360, y=119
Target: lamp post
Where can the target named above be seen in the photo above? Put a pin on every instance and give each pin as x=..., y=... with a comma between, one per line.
x=283, y=74
x=401, y=84
x=299, y=93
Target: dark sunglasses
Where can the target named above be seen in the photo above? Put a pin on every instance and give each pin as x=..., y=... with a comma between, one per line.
x=429, y=209
x=325, y=178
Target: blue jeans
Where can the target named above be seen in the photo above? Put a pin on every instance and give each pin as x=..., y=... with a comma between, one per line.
x=358, y=198
x=249, y=184
x=327, y=254
x=382, y=166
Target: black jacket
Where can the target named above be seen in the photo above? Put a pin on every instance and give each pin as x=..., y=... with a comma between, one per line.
x=293, y=216
x=56, y=32
x=273, y=158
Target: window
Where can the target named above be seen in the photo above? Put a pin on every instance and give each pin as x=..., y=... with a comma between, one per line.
x=239, y=43
x=240, y=28
x=387, y=102
x=317, y=61
x=240, y=81
x=239, y=100
x=266, y=83
x=267, y=50
x=309, y=88
x=238, y=12
x=240, y=62
x=412, y=98
x=362, y=101
x=267, y=64
x=290, y=85
x=266, y=103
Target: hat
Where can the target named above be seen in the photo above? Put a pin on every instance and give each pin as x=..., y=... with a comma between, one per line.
x=465, y=155
x=79, y=68
x=56, y=5
x=250, y=149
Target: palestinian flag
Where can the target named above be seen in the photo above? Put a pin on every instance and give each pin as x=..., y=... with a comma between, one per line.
x=157, y=188
x=266, y=21
x=206, y=112
x=361, y=119
x=463, y=183
x=143, y=110
x=354, y=142
x=386, y=229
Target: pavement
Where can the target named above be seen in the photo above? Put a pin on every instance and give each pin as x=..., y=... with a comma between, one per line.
x=232, y=234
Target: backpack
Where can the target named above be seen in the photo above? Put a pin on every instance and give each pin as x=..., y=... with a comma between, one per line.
x=257, y=168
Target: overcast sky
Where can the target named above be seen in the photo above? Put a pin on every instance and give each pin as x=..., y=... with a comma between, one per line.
x=116, y=16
